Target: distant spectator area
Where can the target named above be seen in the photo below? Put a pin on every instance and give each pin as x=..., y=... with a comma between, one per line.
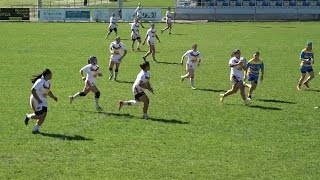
x=206, y=3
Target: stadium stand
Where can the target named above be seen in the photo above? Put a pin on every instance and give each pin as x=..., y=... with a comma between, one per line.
x=207, y=3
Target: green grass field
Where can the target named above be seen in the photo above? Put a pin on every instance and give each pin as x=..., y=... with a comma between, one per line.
x=126, y=3
x=190, y=134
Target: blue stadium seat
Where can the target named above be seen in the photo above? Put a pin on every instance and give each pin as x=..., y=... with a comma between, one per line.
x=265, y=3
x=245, y=3
x=306, y=3
x=252, y=3
x=259, y=2
x=279, y=3
x=222, y=3
x=235, y=2
x=313, y=2
x=292, y=3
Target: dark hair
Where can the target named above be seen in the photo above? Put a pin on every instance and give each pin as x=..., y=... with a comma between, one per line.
x=38, y=76
x=144, y=65
x=91, y=58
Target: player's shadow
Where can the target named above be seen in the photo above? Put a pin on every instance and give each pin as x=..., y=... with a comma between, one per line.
x=173, y=63
x=264, y=107
x=210, y=90
x=313, y=90
x=66, y=137
x=171, y=121
x=177, y=34
x=123, y=81
x=116, y=114
x=128, y=116
x=276, y=101
x=265, y=27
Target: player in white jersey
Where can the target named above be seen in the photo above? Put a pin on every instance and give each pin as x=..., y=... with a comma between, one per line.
x=38, y=99
x=118, y=51
x=112, y=25
x=141, y=83
x=168, y=21
x=150, y=36
x=237, y=65
x=137, y=14
x=92, y=72
x=194, y=59
x=135, y=35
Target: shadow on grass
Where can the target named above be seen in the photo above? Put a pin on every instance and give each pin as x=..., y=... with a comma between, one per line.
x=172, y=121
x=210, y=90
x=276, y=101
x=264, y=107
x=174, y=63
x=266, y=27
x=123, y=81
x=177, y=34
x=313, y=90
x=66, y=137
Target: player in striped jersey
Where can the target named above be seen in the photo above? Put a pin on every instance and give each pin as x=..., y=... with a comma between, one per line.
x=307, y=59
x=253, y=67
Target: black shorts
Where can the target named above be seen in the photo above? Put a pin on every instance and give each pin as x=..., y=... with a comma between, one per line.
x=44, y=109
x=137, y=38
x=139, y=95
x=114, y=29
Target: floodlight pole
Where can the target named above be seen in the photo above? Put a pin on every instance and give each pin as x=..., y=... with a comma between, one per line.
x=39, y=3
x=120, y=4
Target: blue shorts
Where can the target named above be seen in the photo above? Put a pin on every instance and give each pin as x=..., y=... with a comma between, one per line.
x=305, y=69
x=253, y=77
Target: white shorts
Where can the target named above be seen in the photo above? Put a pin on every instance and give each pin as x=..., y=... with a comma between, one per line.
x=235, y=78
x=89, y=83
x=190, y=66
x=37, y=106
x=115, y=58
x=135, y=37
x=151, y=42
x=112, y=26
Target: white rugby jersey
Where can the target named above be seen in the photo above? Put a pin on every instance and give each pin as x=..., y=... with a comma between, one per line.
x=151, y=33
x=135, y=29
x=91, y=71
x=144, y=77
x=42, y=88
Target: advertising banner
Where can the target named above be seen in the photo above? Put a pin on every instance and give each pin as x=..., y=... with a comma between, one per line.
x=14, y=14
x=147, y=14
x=69, y=14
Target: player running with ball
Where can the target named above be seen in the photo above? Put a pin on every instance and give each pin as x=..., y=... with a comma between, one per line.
x=236, y=64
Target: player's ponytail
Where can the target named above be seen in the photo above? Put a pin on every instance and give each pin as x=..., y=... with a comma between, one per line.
x=38, y=76
x=144, y=65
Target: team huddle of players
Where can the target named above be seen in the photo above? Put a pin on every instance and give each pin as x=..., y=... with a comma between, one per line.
x=241, y=70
